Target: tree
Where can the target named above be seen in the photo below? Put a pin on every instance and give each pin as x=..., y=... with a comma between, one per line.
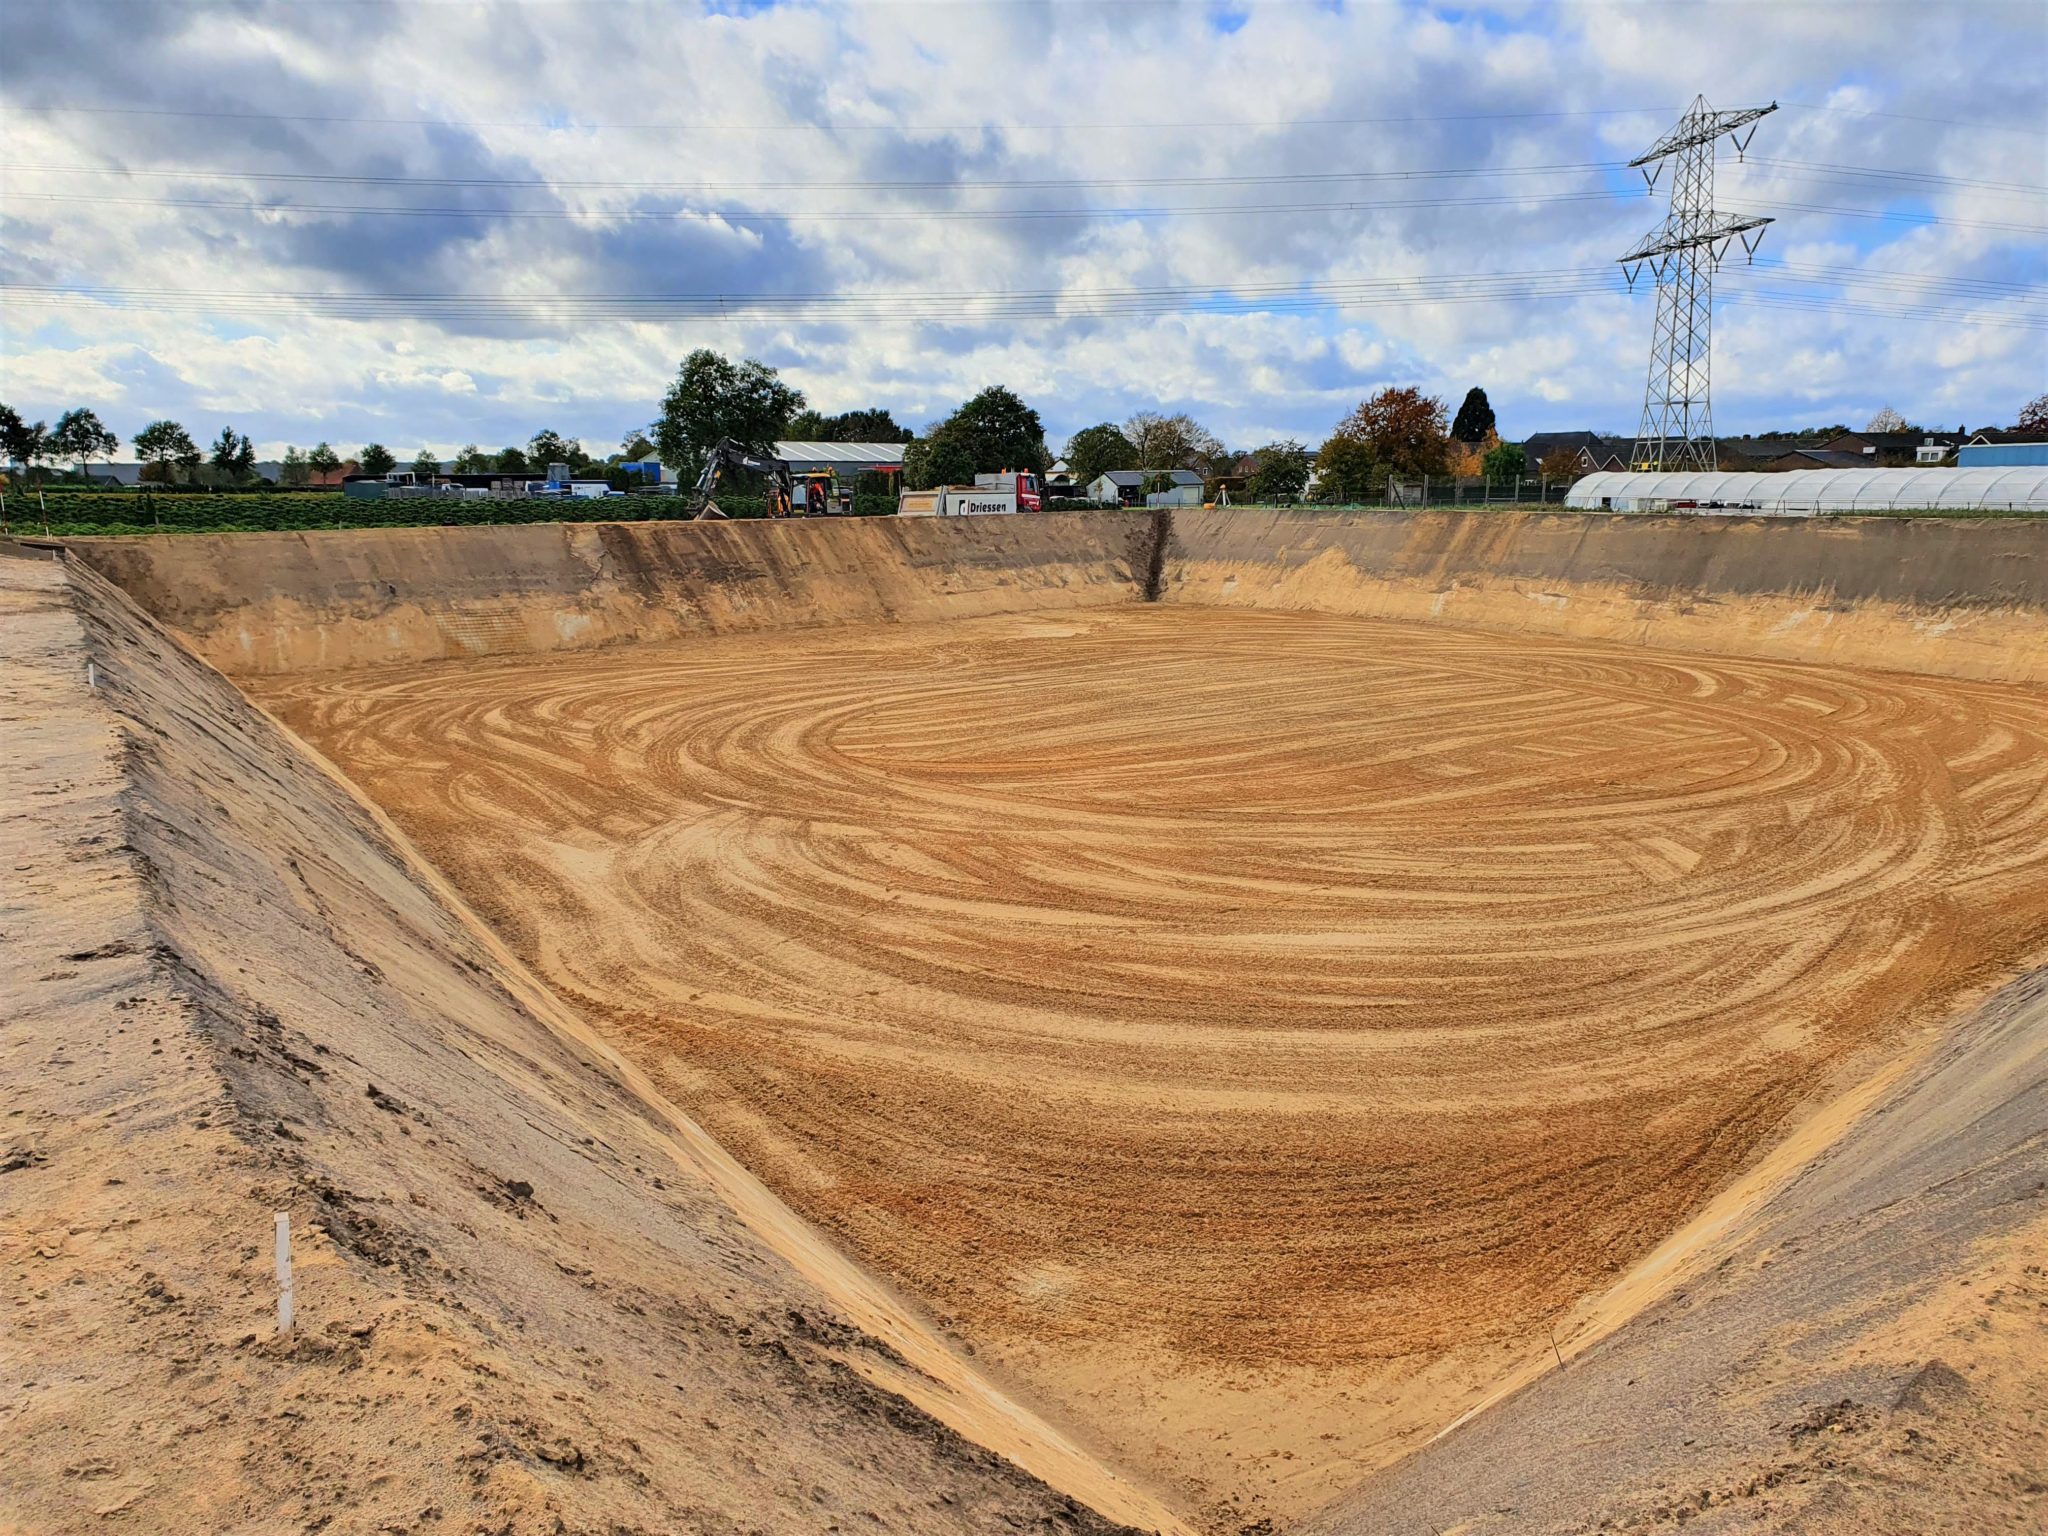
x=1404, y=428
x=323, y=460
x=1561, y=464
x=376, y=459
x=1281, y=470
x=233, y=456
x=164, y=443
x=293, y=470
x=1172, y=442
x=1344, y=469
x=1505, y=461
x=993, y=431
x=550, y=447
x=426, y=465
x=1094, y=451
x=872, y=425
x=510, y=461
x=25, y=442
x=1474, y=423
x=472, y=460
x=82, y=436
x=714, y=397
x=2034, y=415
x=12, y=428
x=1887, y=420
x=635, y=446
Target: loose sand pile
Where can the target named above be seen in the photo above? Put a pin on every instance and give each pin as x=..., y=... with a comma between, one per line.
x=1253, y=1032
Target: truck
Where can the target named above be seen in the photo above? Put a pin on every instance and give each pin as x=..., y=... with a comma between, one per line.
x=1023, y=484
x=957, y=501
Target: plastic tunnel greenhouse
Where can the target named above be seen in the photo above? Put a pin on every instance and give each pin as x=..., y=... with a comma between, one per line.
x=1808, y=492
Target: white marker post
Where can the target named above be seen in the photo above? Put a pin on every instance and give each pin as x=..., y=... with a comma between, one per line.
x=284, y=1272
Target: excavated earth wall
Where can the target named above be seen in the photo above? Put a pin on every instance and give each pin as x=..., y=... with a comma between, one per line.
x=1958, y=598
x=279, y=603
x=1953, y=597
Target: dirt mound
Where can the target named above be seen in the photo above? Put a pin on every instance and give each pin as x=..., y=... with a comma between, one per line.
x=531, y=1297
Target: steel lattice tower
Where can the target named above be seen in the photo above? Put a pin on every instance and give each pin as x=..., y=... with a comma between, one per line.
x=1677, y=430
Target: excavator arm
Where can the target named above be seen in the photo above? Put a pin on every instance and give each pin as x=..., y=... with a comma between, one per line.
x=728, y=457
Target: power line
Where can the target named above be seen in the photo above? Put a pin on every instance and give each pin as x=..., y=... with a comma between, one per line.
x=985, y=306
x=1260, y=178
x=1911, y=117
x=987, y=215
x=975, y=184
x=837, y=126
x=855, y=215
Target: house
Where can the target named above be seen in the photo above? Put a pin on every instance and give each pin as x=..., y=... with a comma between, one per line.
x=1126, y=488
x=1593, y=451
x=1059, y=480
x=1760, y=453
x=1891, y=449
x=1801, y=458
x=2003, y=447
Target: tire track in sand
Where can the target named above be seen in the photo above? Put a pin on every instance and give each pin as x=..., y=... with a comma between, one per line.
x=1217, y=1016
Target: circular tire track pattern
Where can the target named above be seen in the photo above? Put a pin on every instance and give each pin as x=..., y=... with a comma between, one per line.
x=1235, y=989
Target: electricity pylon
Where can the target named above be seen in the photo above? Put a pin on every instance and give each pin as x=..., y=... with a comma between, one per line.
x=1677, y=431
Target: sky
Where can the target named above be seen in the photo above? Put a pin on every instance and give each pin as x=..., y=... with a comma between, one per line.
x=437, y=222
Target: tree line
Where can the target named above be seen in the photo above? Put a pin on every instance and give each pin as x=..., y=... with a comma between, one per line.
x=1398, y=431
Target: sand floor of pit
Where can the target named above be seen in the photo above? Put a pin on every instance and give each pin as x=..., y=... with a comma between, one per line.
x=1248, y=1030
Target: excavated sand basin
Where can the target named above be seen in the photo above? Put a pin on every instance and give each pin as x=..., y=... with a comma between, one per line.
x=1254, y=1039
x=1253, y=1030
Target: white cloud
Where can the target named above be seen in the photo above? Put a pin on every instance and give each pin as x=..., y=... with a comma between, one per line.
x=636, y=95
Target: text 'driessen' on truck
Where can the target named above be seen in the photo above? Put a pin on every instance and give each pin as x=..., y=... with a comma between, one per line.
x=990, y=495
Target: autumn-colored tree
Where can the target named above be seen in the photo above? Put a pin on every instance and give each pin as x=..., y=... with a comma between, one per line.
x=2034, y=416
x=1406, y=431
x=1561, y=464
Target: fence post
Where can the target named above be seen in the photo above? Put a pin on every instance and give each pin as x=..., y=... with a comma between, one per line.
x=1425, y=490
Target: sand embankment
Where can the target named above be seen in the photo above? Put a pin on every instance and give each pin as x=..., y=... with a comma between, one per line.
x=1952, y=597
x=269, y=603
x=532, y=1296
x=1958, y=598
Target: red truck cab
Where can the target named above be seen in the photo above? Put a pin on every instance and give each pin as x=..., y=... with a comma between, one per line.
x=1022, y=481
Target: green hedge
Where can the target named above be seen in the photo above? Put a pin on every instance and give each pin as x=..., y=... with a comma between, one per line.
x=84, y=514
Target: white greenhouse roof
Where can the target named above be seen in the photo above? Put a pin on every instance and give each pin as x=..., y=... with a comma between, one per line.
x=795, y=453
x=1802, y=492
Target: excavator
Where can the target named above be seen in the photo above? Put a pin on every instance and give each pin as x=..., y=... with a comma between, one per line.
x=728, y=456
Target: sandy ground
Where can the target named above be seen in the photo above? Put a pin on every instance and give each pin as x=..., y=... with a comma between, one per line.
x=533, y=1299
x=1863, y=1355
x=1253, y=1032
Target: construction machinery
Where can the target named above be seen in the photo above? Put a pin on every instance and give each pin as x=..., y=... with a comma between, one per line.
x=726, y=457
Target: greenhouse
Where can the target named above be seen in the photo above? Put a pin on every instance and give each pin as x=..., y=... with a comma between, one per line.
x=1807, y=492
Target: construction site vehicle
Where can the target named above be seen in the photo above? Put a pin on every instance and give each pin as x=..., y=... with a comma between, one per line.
x=956, y=501
x=1023, y=484
x=728, y=457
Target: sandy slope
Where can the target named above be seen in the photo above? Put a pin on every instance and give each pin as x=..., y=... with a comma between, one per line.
x=1253, y=1030
x=1864, y=1355
x=529, y=1301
